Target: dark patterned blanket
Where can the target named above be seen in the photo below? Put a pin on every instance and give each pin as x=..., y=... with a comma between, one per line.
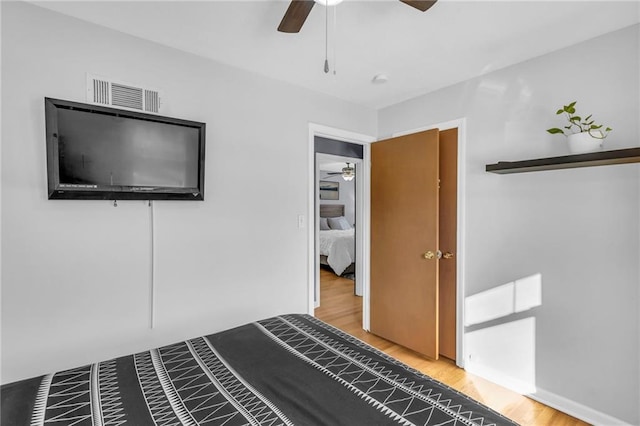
x=292, y=369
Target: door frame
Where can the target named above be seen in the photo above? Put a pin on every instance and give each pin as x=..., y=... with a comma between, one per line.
x=362, y=214
x=460, y=124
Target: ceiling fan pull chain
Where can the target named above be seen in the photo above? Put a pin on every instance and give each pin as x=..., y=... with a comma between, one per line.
x=335, y=36
x=326, y=39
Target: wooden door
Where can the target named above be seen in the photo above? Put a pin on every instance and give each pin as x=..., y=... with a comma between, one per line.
x=448, y=241
x=404, y=227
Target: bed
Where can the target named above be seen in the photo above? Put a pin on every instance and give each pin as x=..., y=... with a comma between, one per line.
x=337, y=246
x=285, y=370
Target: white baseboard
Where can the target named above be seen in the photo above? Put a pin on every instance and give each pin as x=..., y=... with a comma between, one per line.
x=518, y=385
x=575, y=409
x=553, y=400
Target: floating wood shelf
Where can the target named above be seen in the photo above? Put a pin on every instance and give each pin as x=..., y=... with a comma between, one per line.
x=602, y=158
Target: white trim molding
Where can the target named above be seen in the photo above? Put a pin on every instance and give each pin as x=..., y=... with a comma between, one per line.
x=575, y=409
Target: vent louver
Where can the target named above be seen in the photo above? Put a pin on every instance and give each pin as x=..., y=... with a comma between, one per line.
x=126, y=96
x=102, y=91
x=151, y=101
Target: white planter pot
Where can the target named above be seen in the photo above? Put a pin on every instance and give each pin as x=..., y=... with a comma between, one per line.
x=580, y=143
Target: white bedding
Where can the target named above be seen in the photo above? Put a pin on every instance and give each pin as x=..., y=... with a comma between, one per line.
x=339, y=247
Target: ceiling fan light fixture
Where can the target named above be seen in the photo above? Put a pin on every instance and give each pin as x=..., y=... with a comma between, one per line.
x=348, y=173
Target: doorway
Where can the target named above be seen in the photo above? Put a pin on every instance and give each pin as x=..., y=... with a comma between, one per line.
x=337, y=264
x=364, y=245
x=337, y=136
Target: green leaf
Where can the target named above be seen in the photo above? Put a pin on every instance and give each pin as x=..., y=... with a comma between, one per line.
x=587, y=119
x=560, y=111
x=555, y=130
x=608, y=129
x=595, y=127
x=567, y=127
x=570, y=108
x=575, y=118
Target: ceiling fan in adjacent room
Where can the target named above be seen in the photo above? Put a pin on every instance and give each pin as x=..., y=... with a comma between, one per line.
x=347, y=173
x=298, y=11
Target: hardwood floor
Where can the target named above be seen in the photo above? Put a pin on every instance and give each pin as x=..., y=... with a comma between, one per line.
x=342, y=309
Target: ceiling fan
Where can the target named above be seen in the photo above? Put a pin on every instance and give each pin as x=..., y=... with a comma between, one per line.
x=298, y=11
x=347, y=173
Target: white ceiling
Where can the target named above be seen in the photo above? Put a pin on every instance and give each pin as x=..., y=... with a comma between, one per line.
x=419, y=52
x=333, y=166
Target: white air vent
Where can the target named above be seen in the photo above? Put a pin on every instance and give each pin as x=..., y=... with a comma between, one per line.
x=103, y=91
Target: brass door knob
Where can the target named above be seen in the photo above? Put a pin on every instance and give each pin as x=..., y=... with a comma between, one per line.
x=429, y=255
x=448, y=255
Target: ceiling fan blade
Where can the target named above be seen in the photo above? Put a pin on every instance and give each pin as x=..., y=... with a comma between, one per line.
x=422, y=5
x=295, y=16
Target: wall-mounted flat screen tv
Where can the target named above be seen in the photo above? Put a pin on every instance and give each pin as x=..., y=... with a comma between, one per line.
x=101, y=153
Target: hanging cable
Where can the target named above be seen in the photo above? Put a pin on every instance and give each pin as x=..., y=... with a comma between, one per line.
x=335, y=36
x=152, y=277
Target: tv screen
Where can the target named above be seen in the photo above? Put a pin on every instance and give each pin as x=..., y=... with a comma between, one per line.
x=95, y=152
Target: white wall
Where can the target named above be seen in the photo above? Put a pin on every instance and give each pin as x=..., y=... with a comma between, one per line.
x=75, y=277
x=577, y=228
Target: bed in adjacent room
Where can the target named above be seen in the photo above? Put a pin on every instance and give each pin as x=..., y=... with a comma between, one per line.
x=285, y=370
x=336, y=239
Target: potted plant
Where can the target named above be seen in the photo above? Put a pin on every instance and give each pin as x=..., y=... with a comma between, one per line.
x=583, y=135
